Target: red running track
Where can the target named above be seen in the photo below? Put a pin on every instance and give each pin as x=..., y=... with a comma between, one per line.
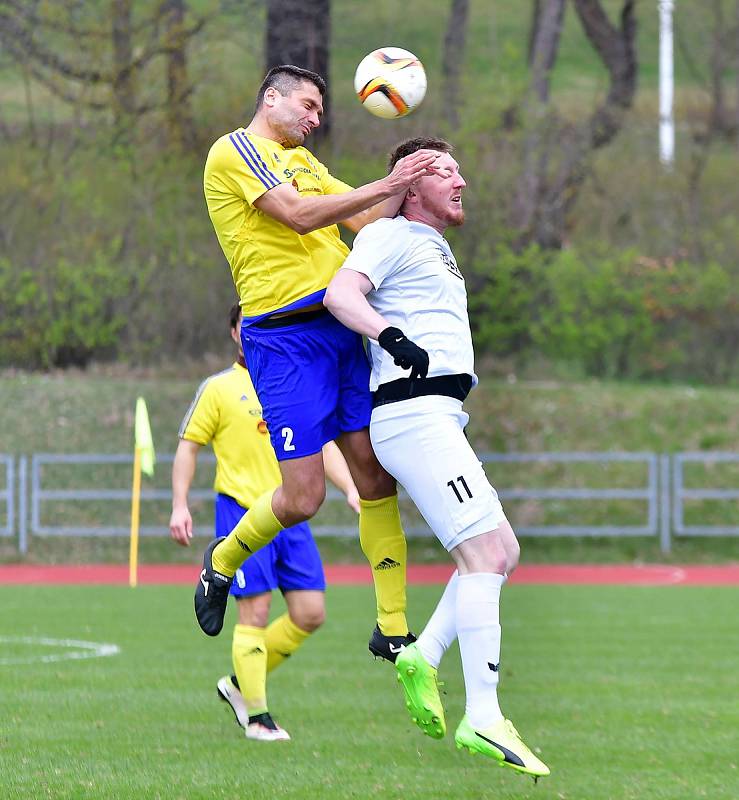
x=598, y=574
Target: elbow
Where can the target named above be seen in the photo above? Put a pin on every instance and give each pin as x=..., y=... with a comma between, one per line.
x=302, y=223
x=302, y=228
x=330, y=299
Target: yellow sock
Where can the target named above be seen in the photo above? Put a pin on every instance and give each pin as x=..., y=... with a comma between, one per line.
x=383, y=542
x=255, y=529
x=283, y=638
x=249, y=654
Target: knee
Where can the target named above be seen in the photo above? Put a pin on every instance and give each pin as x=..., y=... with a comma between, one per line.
x=491, y=555
x=513, y=556
x=481, y=554
x=494, y=562
x=259, y=619
x=254, y=611
x=375, y=483
x=309, y=619
x=304, y=504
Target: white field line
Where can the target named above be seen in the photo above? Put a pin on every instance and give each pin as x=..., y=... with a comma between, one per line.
x=75, y=650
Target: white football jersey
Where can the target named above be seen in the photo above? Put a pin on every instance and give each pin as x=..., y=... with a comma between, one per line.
x=417, y=288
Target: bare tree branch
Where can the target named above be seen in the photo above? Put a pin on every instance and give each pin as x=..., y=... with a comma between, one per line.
x=21, y=39
x=616, y=49
x=545, y=45
x=556, y=153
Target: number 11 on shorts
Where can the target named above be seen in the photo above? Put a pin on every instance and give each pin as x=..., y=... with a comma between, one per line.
x=463, y=483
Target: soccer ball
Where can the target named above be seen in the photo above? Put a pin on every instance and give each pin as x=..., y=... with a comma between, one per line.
x=390, y=82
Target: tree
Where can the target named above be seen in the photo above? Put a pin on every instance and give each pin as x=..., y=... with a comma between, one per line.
x=716, y=33
x=556, y=152
x=455, y=41
x=96, y=60
x=179, y=90
x=544, y=35
x=298, y=32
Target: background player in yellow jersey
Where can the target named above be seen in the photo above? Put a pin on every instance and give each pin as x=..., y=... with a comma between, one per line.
x=226, y=413
x=274, y=208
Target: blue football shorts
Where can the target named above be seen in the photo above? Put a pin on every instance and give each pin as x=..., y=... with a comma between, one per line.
x=312, y=379
x=290, y=562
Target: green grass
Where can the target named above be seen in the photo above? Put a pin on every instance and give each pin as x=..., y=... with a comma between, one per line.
x=68, y=412
x=630, y=693
x=72, y=411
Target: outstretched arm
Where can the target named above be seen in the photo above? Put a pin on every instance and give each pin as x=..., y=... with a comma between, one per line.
x=386, y=208
x=183, y=472
x=305, y=214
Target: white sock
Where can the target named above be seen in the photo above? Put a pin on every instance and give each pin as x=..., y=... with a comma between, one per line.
x=478, y=629
x=441, y=629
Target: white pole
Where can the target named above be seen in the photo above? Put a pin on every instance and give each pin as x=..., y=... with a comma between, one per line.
x=666, y=85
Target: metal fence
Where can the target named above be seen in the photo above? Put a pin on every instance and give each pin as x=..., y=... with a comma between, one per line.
x=7, y=495
x=682, y=494
x=661, y=490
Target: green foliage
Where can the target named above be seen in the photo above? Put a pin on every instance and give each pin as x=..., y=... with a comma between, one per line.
x=614, y=316
x=129, y=215
x=60, y=317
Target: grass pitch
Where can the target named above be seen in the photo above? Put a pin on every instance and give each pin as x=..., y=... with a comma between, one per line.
x=628, y=693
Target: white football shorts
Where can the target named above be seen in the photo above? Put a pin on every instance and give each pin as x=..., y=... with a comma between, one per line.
x=421, y=443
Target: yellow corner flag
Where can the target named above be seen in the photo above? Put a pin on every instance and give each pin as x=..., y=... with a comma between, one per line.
x=142, y=438
x=143, y=461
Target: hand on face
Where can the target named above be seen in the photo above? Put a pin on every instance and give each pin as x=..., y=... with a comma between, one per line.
x=436, y=197
x=412, y=168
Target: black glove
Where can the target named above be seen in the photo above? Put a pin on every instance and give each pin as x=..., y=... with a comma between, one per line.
x=407, y=354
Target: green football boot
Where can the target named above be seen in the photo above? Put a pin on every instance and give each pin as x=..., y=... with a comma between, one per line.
x=502, y=743
x=418, y=679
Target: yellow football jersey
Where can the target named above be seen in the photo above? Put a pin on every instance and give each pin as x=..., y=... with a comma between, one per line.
x=274, y=268
x=226, y=412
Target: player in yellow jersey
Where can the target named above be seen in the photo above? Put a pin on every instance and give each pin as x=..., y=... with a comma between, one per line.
x=226, y=413
x=274, y=208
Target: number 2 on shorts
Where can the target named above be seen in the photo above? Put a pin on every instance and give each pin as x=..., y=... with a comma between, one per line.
x=287, y=435
x=462, y=482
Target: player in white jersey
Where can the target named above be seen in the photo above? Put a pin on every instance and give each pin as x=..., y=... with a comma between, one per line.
x=401, y=287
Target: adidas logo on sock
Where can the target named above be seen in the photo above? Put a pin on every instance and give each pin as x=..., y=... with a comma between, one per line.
x=256, y=651
x=243, y=545
x=387, y=563
x=493, y=667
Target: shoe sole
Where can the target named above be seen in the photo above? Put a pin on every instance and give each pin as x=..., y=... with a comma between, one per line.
x=379, y=654
x=208, y=555
x=500, y=761
x=429, y=722
x=224, y=698
x=268, y=738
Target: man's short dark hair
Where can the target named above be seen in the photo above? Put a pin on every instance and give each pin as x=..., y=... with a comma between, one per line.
x=286, y=78
x=233, y=316
x=419, y=143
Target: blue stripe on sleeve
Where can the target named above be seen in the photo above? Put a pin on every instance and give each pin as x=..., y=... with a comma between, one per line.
x=268, y=184
x=255, y=154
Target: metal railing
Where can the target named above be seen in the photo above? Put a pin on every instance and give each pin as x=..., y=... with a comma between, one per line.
x=39, y=494
x=663, y=491
x=7, y=495
x=649, y=493
x=681, y=494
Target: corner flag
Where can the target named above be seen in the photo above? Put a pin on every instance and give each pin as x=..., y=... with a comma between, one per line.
x=143, y=461
x=142, y=438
